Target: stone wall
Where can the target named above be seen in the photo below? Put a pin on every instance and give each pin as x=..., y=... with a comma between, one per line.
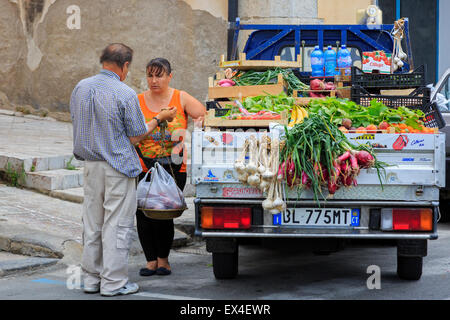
x=43, y=59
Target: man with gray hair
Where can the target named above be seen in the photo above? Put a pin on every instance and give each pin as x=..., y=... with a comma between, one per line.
x=107, y=123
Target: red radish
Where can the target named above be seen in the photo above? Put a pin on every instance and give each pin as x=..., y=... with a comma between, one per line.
x=281, y=171
x=344, y=157
x=226, y=83
x=345, y=167
x=306, y=181
x=348, y=181
x=291, y=167
x=332, y=187
x=317, y=84
x=354, y=165
x=325, y=174
x=365, y=159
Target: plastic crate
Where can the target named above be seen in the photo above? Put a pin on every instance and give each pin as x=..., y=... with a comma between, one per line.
x=433, y=117
x=220, y=111
x=389, y=81
x=418, y=99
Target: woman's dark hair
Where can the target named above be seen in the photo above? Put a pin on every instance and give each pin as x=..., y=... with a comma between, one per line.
x=117, y=53
x=158, y=66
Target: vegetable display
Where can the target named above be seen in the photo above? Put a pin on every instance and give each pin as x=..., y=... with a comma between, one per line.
x=270, y=76
x=351, y=117
x=317, y=155
x=263, y=107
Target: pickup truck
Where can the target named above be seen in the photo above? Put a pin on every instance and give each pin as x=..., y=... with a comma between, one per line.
x=405, y=209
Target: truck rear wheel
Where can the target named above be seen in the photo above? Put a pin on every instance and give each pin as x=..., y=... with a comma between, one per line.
x=225, y=265
x=409, y=268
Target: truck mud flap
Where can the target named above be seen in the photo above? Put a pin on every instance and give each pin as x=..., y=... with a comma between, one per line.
x=412, y=248
x=221, y=245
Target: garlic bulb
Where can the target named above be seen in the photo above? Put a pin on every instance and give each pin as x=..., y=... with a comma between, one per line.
x=264, y=185
x=239, y=164
x=251, y=167
x=254, y=180
x=267, y=204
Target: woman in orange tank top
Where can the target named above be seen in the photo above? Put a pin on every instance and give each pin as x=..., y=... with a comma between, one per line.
x=156, y=236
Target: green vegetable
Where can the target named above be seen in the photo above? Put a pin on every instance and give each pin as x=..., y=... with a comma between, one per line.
x=270, y=76
x=316, y=144
x=337, y=109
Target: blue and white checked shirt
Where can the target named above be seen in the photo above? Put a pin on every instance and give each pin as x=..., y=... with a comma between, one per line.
x=105, y=112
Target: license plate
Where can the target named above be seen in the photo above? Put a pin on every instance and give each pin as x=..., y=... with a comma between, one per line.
x=318, y=217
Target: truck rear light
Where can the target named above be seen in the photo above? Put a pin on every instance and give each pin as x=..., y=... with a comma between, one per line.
x=405, y=219
x=225, y=217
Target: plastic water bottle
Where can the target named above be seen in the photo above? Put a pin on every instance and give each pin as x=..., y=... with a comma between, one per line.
x=317, y=62
x=330, y=62
x=344, y=60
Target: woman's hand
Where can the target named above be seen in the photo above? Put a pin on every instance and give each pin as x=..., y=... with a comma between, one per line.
x=167, y=114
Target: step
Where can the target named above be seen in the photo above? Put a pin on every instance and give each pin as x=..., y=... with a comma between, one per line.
x=37, y=163
x=50, y=180
x=71, y=194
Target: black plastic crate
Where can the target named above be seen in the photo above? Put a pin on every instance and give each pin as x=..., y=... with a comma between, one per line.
x=418, y=99
x=433, y=117
x=389, y=81
x=220, y=111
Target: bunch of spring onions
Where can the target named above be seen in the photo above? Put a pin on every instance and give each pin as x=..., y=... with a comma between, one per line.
x=317, y=155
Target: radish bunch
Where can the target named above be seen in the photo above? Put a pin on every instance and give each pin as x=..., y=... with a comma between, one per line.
x=318, y=156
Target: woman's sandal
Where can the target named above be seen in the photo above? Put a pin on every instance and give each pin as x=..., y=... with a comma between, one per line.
x=163, y=271
x=145, y=272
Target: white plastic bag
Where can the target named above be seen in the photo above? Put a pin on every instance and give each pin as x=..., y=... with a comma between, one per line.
x=161, y=192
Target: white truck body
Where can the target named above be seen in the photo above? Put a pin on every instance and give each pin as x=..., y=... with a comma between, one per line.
x=415, y=174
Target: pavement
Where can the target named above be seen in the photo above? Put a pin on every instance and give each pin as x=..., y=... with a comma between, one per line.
x=41, y=205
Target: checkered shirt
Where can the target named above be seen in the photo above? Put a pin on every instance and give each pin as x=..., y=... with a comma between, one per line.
x=105, y=112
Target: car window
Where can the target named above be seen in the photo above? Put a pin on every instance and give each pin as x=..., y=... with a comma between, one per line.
x=443, y=96
x=288, y=53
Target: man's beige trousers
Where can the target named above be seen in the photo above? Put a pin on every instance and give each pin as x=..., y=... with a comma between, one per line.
x=108, y=225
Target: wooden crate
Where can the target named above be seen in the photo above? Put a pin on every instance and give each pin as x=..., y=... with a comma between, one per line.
x=340, y=92
x=244, y=64
x=215, y=91
x=212, y=121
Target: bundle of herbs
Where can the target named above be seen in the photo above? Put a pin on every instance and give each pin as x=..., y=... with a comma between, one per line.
x=317, y=155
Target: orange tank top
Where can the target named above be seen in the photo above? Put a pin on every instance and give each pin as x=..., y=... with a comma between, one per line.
x=152, y=147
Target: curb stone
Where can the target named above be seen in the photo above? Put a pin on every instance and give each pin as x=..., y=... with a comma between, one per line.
x=9, y=267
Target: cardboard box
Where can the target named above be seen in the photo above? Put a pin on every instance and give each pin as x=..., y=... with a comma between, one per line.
x=376, y=60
